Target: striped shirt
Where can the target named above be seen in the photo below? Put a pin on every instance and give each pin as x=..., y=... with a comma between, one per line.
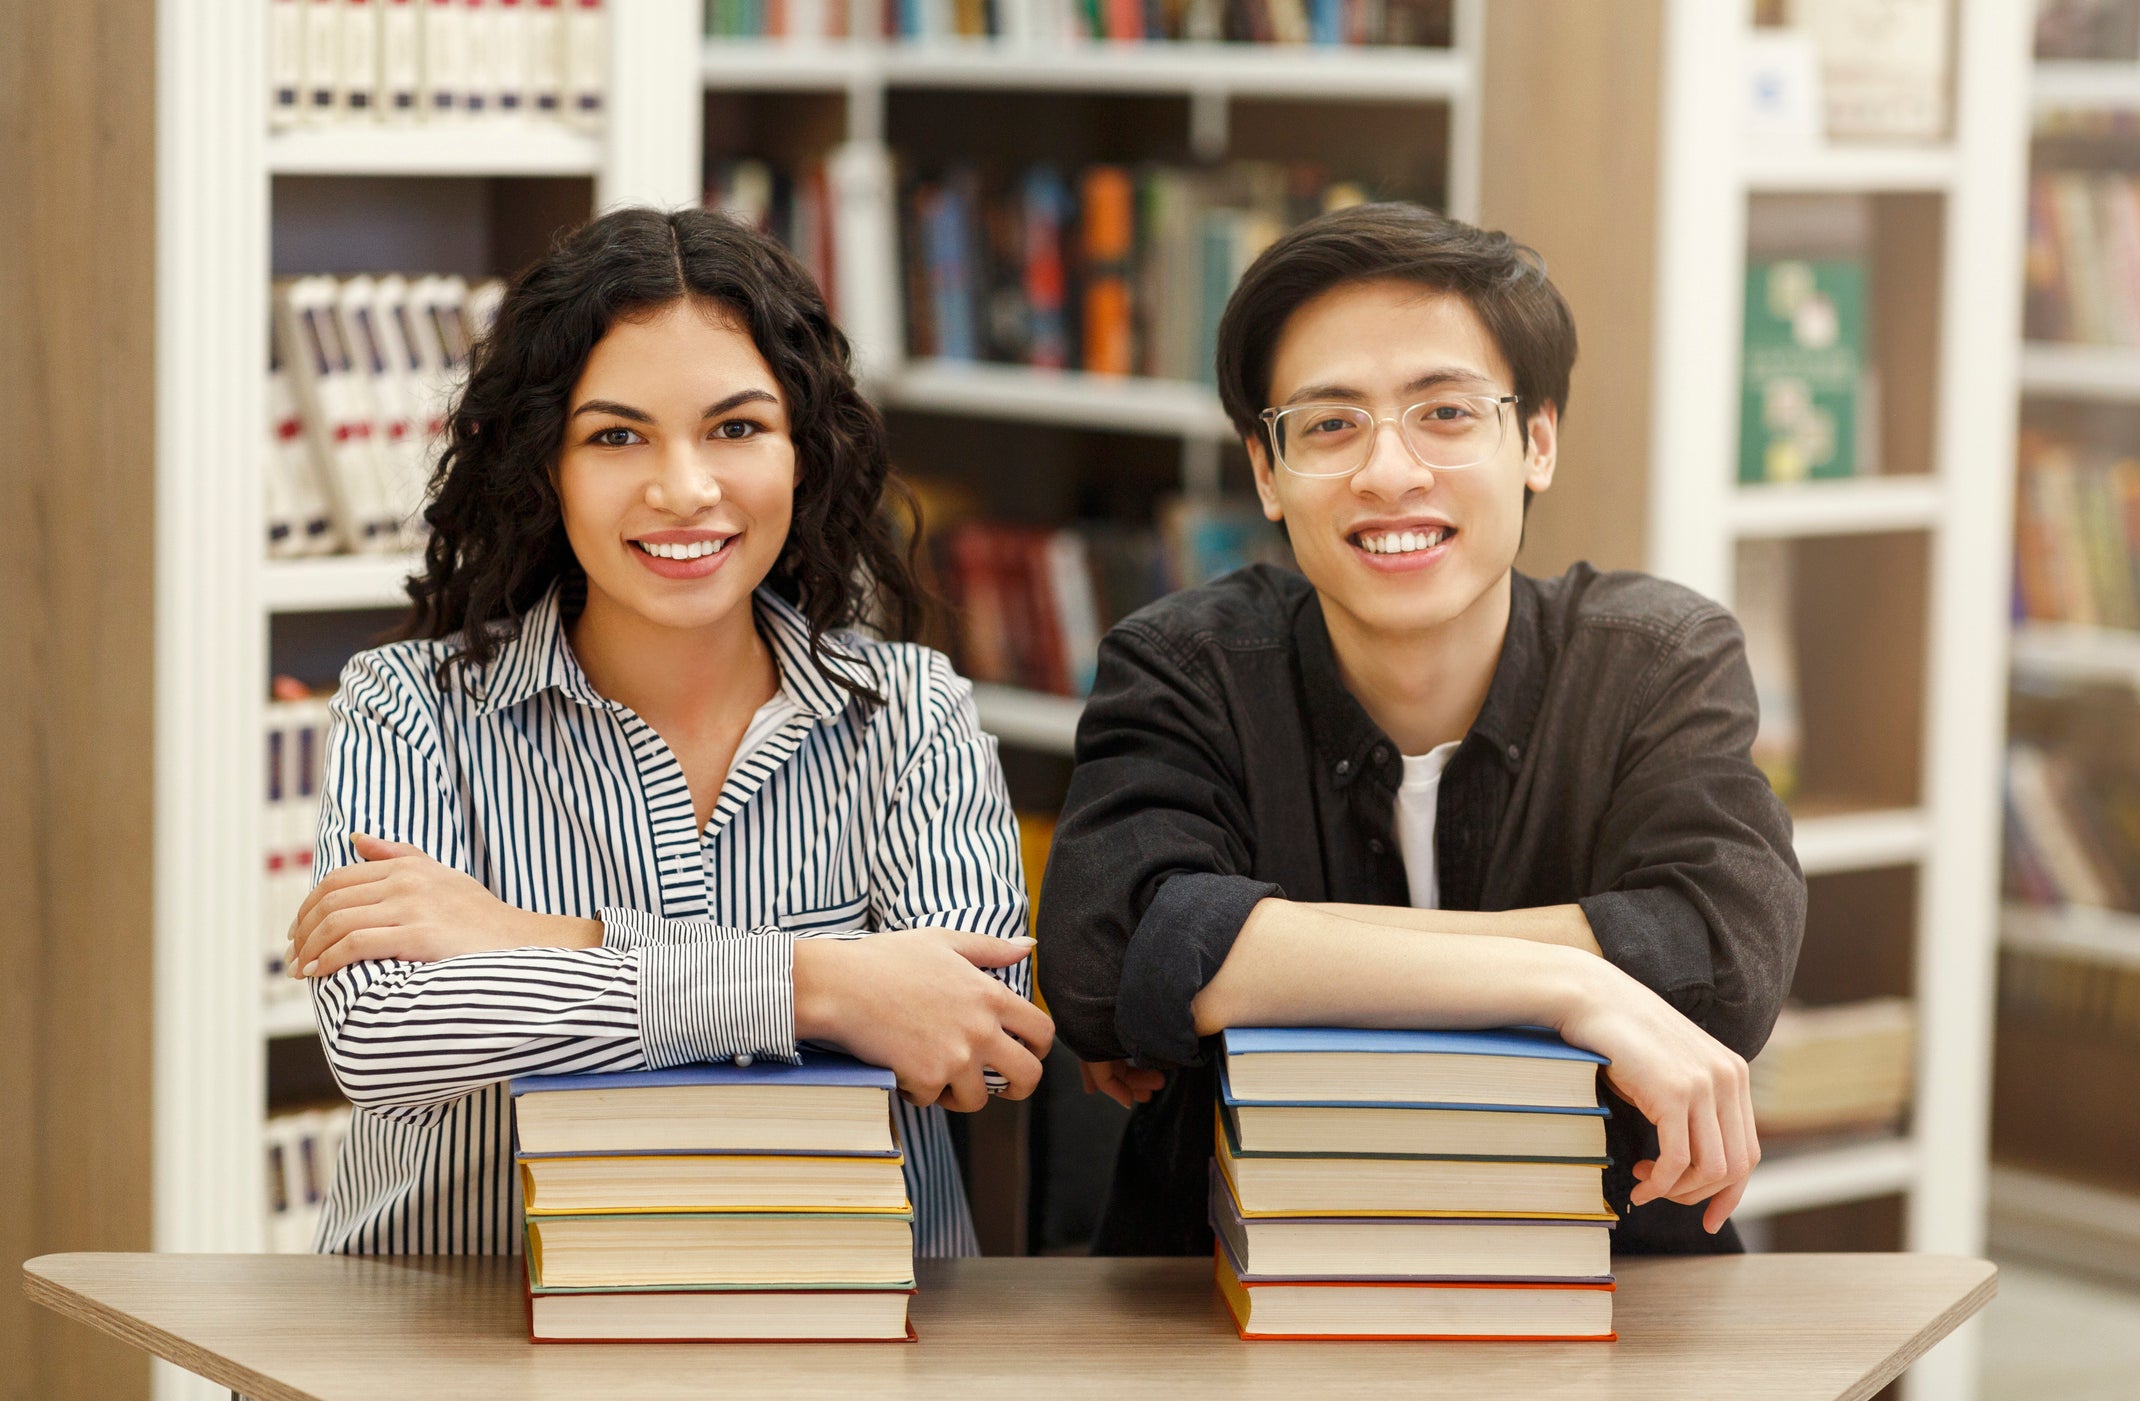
x=838, y=818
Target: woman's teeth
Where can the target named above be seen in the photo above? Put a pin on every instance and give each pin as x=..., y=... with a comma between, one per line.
x=1403, y=542
x=697, y=549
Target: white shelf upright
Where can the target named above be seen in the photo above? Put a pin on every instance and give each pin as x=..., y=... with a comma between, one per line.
x=215, y=590
x=1962, y=508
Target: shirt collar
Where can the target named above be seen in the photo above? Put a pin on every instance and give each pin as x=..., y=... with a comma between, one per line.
x=1348, y=740
x=539, y=658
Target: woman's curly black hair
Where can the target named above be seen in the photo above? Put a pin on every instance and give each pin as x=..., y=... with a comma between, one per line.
x=497, y=530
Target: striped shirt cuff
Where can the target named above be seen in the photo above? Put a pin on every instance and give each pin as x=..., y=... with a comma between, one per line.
x=624, y=929
x=717, y=999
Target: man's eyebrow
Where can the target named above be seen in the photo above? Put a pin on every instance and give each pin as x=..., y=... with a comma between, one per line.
x=1318, y=393
x=713, y=410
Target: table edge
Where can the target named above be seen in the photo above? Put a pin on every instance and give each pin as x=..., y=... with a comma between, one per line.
x=41, y=1289
x=1934, y=1333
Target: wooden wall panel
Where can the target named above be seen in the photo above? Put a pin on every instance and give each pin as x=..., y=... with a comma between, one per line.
x=76, y=712
x=1569, y=166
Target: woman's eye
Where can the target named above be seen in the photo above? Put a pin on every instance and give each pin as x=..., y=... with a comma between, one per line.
x=735, y=430
x=613, y=438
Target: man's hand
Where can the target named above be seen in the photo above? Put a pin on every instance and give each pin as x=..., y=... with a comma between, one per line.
x=1693, y=1088
x=1121, y=1082
x=917, y=1002
x=399, y=903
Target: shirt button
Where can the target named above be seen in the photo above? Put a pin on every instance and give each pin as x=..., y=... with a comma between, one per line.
x=1382, y=754
x=744, y=1061
x=1375, y=845
x=1344, y=766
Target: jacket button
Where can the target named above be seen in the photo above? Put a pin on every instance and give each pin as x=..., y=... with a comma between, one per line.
x=1344, y=766
x=1375, y=845
x=1515, y=751
x=1382, y=754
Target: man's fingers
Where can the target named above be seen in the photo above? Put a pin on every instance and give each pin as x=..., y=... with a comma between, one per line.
x=1101, y=1077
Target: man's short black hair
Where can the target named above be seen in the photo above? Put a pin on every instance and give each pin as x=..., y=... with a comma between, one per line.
x=1503, y=281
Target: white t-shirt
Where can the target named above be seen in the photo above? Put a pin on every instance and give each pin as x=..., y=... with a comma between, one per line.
x=1417, y=799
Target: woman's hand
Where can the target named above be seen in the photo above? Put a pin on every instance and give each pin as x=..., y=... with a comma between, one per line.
x=1120, y=1081
x=399, y=903
x=1692, y=1087
x=917, y=1002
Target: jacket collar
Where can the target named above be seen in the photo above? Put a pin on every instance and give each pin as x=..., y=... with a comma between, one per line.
x=538, y=657
x=1347, y=740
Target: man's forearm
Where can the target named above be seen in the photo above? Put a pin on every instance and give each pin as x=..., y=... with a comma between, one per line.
x=1565, y=925
x=1304, y=965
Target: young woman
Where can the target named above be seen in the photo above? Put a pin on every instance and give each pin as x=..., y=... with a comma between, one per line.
x=633, y=758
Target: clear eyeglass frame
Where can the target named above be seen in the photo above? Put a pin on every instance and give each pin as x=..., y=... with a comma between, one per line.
x=1273, y=417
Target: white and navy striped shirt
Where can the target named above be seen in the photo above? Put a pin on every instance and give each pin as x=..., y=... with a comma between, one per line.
x=835, y=817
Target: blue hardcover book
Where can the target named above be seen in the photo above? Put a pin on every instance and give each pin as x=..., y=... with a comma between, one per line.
x=1509, y=1068
x=830, y=1103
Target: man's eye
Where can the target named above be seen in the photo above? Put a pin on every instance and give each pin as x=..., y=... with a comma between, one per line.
x=1448, y=413
x=1328, y=426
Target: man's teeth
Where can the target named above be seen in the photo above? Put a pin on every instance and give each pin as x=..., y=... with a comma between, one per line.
x=697, y=549
x=1403, y=542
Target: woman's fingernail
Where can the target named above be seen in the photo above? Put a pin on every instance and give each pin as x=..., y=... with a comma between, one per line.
x=310, y=969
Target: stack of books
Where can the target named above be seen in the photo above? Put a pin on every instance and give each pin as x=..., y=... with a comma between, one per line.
x=1411, y=1184
x=715, y=1202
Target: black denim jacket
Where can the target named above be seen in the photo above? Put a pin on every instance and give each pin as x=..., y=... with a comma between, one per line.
x=1220, y=761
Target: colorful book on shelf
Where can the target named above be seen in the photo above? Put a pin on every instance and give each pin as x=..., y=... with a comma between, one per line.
x=1414, y=1310
x=1534, y=1250
x=1374, y=1185
x=828, y=1103
x=1511, y=1067
x=1803, y=369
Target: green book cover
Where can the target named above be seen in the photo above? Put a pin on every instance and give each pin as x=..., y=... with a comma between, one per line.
x=1804, y=366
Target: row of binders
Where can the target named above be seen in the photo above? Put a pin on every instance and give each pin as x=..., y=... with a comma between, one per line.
x=302, y=1146
x=296, y=751
x=1411, y=1184
x=1053, y=22
x=715, y=1202
x=339, y=61
x=363, y=370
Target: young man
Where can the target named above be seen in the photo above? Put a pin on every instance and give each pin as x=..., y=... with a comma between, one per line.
x=1409, y=786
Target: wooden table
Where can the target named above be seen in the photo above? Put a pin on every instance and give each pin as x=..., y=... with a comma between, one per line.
x=321, y=1328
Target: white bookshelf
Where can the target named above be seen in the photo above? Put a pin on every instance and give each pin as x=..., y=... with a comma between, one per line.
x=1030, y=719
x=2076, y=652
x=1960, y=509
x=330, y=582
x=2100, y=373
x=2076, y=85
x=1065, y=398
x=441, y=148
x=2080, y=932
x=215, y=591
x=1850, y=506
x=1333, y=74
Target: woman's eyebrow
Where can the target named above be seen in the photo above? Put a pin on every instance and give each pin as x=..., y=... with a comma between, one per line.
x=740, y=397
x=714, y=410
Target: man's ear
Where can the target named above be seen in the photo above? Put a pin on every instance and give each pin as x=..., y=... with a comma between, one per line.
x=1541, y=447
x=1266, y=490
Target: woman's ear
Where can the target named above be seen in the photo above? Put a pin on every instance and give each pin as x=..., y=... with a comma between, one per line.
x=1260, y=464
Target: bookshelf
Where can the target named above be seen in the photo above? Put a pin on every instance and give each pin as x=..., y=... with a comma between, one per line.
x=211, y=598
x=866, y=78
x=1900, y=571
x=2054, y=1195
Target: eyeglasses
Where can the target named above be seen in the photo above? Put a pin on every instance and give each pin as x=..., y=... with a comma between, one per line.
x=1445, y=433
